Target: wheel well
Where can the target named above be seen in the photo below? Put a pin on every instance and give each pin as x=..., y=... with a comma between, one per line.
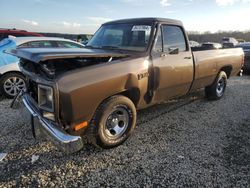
x=133, y=94
x=227, y=70
x=16, y=72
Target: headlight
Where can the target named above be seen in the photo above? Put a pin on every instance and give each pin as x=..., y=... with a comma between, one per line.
x=45, y=98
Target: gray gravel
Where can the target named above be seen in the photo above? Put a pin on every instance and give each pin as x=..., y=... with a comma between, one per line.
x=191, y=142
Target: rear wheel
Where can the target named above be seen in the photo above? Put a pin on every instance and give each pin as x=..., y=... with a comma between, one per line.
x=217, y=89
x=11, y=84
x=113, y=123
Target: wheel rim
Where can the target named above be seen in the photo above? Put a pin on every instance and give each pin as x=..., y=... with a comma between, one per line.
x=13, y=85
x=220, y=87
x=117, y=123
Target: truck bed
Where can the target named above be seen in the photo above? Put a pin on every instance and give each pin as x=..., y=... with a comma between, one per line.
x=209, y=62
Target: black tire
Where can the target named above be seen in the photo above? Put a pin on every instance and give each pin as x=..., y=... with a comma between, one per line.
x=217, y=89
x=107, y=119
x=4, y=80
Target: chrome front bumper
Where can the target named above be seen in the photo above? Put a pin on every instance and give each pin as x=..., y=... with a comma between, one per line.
x=42, y=128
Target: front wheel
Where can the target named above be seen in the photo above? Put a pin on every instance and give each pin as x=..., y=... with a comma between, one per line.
x=217, y=89
x=113, y=123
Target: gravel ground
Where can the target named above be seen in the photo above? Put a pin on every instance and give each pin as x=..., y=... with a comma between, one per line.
x=191, y=142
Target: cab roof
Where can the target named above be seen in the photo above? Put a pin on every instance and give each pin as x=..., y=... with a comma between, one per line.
x=143, y=20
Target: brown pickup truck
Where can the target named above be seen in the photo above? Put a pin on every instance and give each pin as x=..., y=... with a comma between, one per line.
x=128, y=65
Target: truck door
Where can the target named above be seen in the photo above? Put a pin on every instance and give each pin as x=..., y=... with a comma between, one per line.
x=172, y=62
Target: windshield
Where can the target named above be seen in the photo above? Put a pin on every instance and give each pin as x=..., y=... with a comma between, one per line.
x=122, y=36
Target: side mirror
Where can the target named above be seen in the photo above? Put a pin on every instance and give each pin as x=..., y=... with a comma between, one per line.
x=173, y=51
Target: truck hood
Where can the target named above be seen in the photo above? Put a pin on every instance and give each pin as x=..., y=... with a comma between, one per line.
x=52, y=62
x=43, y=54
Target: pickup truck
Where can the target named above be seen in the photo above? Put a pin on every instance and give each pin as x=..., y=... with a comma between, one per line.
x=93, y=94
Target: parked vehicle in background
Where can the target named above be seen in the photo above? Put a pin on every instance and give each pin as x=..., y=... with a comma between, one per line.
x=211, y=46
x=229, y=42
x=241, y=40
x=127, y=65
x=84, y=39
x=11, y=79
x=5, y=33
x=207, y=46
x=246, y=48
x=194, y=43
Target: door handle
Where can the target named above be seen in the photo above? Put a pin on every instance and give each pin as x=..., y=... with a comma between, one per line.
x=187, y=57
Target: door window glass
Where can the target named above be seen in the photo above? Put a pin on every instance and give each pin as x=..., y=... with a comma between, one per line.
x=173, y=37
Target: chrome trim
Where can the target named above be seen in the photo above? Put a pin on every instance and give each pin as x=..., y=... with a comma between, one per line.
x=29, y=108
x=241, y=73
x=45, y=129
x=39, y=87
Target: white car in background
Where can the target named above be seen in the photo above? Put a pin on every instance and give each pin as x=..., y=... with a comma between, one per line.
x=11, y=79
x=193, y=44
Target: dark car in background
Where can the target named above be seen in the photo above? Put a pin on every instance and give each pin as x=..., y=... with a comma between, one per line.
x=4, y=33
x=246, y=48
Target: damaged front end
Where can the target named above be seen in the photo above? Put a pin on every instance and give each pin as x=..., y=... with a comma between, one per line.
x=44, y=128
x=55, y=67
x=41, y=97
